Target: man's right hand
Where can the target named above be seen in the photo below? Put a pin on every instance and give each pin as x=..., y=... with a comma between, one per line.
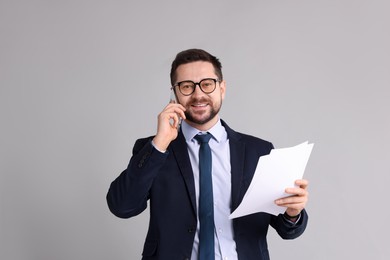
x=168, y=122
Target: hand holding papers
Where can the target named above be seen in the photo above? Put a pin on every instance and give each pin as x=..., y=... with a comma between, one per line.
x=274, y=173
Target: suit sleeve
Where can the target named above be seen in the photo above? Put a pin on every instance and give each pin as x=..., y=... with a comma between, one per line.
x=129, y=192
x=287, y=230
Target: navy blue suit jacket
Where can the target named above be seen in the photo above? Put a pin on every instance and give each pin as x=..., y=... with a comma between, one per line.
x=167, y=181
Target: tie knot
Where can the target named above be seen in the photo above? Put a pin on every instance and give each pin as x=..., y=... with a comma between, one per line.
x=203, y=138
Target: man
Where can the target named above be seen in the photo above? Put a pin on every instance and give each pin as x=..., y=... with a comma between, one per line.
x=167, y=169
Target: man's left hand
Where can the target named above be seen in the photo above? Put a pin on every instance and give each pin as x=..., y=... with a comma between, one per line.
x=298, y=199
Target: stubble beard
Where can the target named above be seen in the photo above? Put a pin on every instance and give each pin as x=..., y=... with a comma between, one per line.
x=212, y=113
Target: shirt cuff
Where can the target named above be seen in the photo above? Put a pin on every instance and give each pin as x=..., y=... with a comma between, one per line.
x=292, y=222
x=155, y=147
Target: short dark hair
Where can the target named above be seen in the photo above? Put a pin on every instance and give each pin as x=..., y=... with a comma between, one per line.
x=192, y=55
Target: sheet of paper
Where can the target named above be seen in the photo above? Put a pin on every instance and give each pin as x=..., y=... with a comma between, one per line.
x=274, y=173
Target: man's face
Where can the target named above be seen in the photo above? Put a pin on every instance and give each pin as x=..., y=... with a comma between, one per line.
x=201, y=109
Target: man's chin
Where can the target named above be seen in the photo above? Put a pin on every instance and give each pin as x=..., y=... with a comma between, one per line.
x=199, y=120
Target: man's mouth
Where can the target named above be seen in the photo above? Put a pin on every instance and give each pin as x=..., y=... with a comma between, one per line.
x=200, y=105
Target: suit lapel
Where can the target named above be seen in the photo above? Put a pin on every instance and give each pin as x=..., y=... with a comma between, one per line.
x=237, y=161
x=179, y=148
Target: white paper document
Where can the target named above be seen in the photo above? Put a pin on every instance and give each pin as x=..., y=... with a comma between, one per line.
x=274, y=173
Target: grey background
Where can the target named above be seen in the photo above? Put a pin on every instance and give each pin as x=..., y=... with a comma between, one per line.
x=82, y=80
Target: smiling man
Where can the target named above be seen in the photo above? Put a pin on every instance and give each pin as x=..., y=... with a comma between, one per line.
x=195, y=171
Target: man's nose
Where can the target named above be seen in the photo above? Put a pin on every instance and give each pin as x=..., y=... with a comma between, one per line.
x=197, y=90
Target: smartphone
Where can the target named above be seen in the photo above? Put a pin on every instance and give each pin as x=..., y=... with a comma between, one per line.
x=172, y=99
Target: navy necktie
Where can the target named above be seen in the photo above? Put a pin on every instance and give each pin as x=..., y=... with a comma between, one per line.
x=206, y=205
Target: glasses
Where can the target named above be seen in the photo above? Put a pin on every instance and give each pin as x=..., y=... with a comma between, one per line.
x=187, y=87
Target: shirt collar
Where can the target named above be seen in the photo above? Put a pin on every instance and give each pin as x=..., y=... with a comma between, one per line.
x=217, y=131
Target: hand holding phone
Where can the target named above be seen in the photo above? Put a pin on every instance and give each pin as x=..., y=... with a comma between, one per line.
x=168, y=123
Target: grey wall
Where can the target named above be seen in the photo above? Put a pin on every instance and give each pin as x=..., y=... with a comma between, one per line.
x=81, y=80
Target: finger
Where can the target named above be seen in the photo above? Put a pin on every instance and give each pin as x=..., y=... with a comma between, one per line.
x=180, y=112
x=294, y=206
x=173, y=119
x=296, y=197
x=302, y=183
x=176, y=121
x=175, y=105
x=291, y=200
x=296, y=191
x=296, y=203
x=177, y=108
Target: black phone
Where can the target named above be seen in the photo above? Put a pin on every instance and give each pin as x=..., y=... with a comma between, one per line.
x=172, y=99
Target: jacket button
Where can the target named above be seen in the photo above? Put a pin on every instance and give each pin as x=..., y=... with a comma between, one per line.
x=191, y=230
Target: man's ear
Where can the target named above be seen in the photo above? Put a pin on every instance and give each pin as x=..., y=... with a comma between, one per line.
x=222, y=85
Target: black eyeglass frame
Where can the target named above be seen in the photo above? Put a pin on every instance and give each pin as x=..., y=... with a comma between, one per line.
x=196, y=83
